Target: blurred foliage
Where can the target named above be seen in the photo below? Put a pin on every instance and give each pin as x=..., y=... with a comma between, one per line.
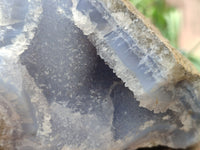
x=195, y=60
x=167, y=20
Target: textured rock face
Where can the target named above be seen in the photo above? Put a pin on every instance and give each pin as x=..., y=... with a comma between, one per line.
x=57, y=93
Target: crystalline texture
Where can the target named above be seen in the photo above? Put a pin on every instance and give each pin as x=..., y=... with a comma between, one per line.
x=143, y=62
x=57, y=93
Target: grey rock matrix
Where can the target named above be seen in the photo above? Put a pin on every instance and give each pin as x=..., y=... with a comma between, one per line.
x=91, y=75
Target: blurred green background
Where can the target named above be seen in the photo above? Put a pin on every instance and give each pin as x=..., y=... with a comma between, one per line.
x=167, y=19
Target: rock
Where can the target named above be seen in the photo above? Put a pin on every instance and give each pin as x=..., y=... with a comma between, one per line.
x=57, y=93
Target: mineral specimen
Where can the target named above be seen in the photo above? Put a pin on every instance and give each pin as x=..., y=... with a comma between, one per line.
x=57, y=93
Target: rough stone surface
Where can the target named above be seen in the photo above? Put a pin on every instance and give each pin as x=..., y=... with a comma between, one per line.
x=57, y=93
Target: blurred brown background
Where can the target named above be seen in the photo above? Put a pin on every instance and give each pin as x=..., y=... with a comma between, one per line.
x=189, y=37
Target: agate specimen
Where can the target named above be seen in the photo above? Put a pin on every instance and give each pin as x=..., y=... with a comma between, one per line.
x=91, y=75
